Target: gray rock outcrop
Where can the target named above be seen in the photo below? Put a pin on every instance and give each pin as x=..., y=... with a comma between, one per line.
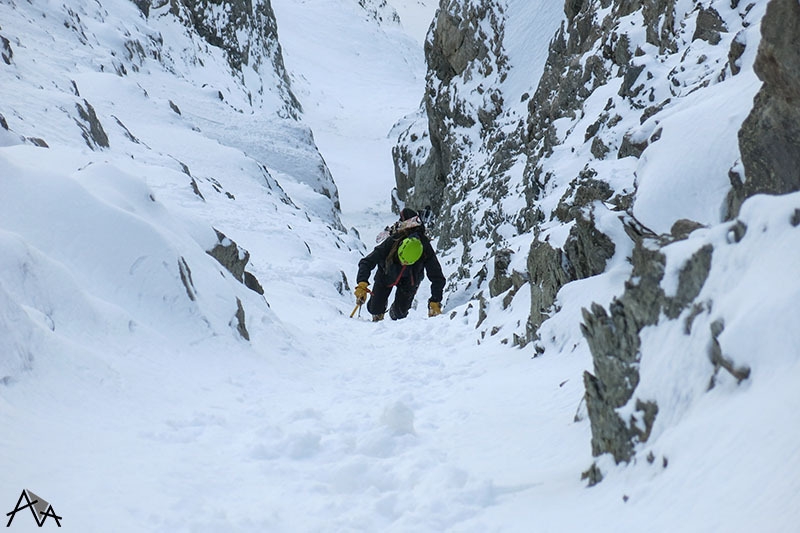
x=432, y=157
x=234, y=259
x=91, y=128
x=614, y=341
x=6, y=53
x=603, y=101
x=585, y=252
x=247, y=32
x=438, y=163
x=769, y=139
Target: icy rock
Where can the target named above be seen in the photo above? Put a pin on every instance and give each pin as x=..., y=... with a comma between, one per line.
x=719, y=360
x=501, y=281
x=380, y=10
x=144, y=7
x=545, y=267
x=709, y=26
x=629, y=147
x=738, y=46
x=615, y=344
x=248, y=34
x=683, y=227
x=583, y=191
x=465, y=44
x=5, y=51
x=585, y=253
x=691, y=279
x=417, y=169
x=241, y=324
x=769, y=139
x=229, y=255
x=614, y=341
x=235, y=259
x=93, y=132
x=587, y=250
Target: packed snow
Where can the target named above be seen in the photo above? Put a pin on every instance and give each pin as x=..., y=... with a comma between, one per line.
x=130, y=400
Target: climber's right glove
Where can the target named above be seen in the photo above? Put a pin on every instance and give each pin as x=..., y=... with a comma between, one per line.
x=361, y=292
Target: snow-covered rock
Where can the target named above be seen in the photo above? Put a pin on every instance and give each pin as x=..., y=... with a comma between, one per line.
x=768, y=138
x=629, y=143
x=119, y=165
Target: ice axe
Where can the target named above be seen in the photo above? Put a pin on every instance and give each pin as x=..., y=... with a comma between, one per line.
x=359, y=303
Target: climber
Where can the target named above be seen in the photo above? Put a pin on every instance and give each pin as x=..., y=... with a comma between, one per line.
x=402, y=259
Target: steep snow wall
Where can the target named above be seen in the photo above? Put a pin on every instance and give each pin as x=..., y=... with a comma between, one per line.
x=120, y=182
x=610, y=182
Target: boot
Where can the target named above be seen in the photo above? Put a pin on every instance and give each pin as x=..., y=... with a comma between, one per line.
x=377, y=318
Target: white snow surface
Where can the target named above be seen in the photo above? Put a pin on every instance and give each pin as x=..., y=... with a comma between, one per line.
x=130, y=406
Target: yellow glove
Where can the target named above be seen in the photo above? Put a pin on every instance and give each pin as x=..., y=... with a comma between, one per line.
x=361, y=292
x=434, y=308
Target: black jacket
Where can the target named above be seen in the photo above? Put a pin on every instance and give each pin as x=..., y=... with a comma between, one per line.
x=390, y=270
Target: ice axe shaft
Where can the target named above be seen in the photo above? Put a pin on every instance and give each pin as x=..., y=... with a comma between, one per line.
x=359, y=303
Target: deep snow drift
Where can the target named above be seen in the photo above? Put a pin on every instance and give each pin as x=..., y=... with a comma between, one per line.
x=130, y=400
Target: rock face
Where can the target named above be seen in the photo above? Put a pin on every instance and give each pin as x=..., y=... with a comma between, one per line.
x=91, y=128
x=462, y=155
x=584, y=253
x=379, y=10
x=432, y=165
x=614, y=340
x=577, y=149
x=245, y=29
x=455, y=45
x=770, y=137
x=234, y=259
x=566, y=84
x=6, y=52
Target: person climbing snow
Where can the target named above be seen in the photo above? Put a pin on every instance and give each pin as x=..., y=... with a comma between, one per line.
x=402, y=260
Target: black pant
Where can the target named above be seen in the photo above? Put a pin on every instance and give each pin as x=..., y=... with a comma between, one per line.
x=403, y=296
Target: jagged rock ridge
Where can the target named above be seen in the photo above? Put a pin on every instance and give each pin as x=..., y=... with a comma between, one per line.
x=590, y=154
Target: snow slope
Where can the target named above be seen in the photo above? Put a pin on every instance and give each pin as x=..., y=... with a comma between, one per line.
x=352, y=94
x=129, y=406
